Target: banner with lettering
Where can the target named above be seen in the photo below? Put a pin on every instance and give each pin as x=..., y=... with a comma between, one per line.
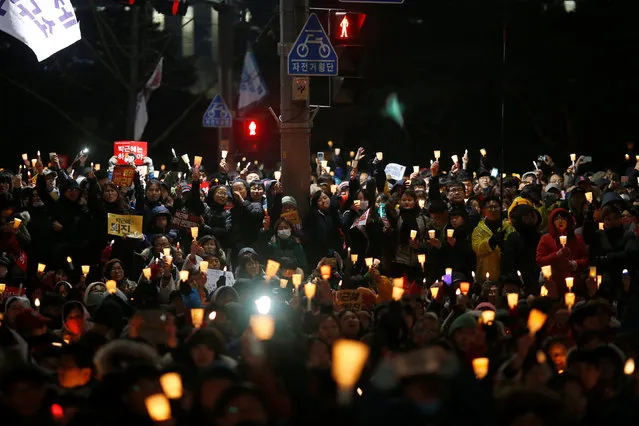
x=46, y=26
x=123, y=176
x=124, y=225
x=350, y=300
x=125, y=151
x=185, y=220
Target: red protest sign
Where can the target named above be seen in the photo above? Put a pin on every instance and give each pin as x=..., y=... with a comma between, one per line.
x=123, y=149
x=123, y=176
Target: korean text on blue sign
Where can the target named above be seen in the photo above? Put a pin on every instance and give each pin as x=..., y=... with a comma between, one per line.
x=217, y=114
x=312, y=54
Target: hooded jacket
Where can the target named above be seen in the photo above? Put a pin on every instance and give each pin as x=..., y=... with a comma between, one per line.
x=549, y=245
x=520, y=248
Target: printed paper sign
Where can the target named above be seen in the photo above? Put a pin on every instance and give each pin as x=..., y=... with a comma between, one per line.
x=349, y=300
x=122, y=225
x=123, y=176
x=126, y=150
x=361, y=221
x=184, y=220
x=292, y=216
x=46, y=26
x=395, y=171
x=212, y=277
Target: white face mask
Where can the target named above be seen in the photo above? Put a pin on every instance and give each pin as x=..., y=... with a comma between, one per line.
x=284, y=233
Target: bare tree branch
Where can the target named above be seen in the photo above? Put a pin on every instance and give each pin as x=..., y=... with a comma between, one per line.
x=112, y=70
x=184, y=114
x=100, y=25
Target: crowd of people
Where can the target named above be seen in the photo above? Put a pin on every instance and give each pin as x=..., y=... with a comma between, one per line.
x=446, y=297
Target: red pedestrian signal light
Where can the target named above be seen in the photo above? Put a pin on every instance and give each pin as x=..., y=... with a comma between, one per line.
x=170, y=7
x=346, y=26
x=251, y=129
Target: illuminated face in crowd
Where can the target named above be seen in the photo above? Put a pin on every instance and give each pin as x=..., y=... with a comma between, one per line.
x=110, y=194
x=221, y=196
x=407, y=202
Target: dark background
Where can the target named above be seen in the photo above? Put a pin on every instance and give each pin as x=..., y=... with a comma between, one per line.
x=572, y=85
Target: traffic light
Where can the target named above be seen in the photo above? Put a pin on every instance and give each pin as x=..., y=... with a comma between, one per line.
x=346, y=27
x=347, y=37
x=251, y=129
x=170, y=7
x=252, y=134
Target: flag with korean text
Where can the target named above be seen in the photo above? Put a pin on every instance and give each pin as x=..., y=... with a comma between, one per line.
x=46, y=26
x=252, y=86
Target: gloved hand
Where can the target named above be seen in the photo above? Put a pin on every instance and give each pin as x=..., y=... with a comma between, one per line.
x=496, y=240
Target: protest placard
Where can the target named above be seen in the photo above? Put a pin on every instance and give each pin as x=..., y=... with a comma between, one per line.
x=125, y=149
x=123, y=176
x=350, y=300
x=123, y=225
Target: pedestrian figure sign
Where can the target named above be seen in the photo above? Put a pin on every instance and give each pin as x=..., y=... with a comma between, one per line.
x=312, y=53
x=217, y=114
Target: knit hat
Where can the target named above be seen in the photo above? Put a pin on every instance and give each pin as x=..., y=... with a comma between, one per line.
x=94, y=294
x=19, y=299
x=465, y=320
x=288, y=200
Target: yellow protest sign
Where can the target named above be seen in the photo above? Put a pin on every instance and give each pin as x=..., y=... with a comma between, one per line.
x=350, y=300
x=125, y=225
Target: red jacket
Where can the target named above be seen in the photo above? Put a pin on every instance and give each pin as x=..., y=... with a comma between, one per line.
x=547, y=250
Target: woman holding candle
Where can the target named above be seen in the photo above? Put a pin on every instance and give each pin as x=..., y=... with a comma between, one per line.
x=285, y=244
x=459, y=249
x=114, y=270
x=406, y=248
x=568, y=261
x=219, y=217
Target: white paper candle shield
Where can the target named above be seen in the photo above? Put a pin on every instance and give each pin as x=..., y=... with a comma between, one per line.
x=158, y=407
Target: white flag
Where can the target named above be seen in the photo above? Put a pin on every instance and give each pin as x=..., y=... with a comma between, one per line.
x=156, y=78
x=252, y=86
x=141, y=116
x=46, y=26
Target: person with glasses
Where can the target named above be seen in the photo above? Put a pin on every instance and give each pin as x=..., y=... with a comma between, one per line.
x=488, y=238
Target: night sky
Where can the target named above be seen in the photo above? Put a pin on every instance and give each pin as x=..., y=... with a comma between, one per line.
x=571, y=84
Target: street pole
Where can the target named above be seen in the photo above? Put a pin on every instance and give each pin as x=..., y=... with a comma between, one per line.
x=294, y=115
x=226, y=41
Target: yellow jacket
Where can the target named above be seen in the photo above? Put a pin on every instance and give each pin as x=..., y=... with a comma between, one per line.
x=543, y=211
x=488, y=260
x=384, y=290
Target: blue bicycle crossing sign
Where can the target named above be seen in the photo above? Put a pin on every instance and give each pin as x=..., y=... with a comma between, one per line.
x=312, y=54
x=217, y=114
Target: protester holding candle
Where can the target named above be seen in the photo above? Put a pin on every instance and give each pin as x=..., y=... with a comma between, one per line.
x=570, y=260
x=520, y=248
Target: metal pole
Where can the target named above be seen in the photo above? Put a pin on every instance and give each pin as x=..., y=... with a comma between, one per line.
x=504, y=89
x=294, y=115
x=226, y=41
x=134, y=62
